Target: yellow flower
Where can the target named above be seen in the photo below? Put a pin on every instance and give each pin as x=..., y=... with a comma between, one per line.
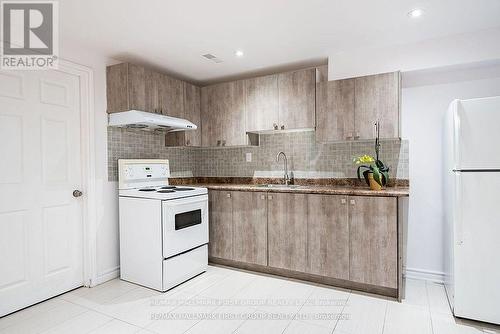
x=365, y=159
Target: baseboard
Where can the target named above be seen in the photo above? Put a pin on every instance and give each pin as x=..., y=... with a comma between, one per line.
x=426, y=275
x=108, y=275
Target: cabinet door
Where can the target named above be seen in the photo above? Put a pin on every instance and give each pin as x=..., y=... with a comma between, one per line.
x=220, y=224
x=223, y=114
x=116, y=87
x=335, y=110
x=152, y=82
x=250, y=227
x=192, y=113
x=136, y=87
x=261, y=103
x=297, y=92
x=328, y=236
x=373, y=235
x=287, y=228
x=171, y=96
x=377, y=99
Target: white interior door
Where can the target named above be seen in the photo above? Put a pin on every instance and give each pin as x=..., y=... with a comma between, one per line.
x=40, y=219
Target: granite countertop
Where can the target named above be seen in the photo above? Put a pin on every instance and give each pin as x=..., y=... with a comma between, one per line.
x=312, y=189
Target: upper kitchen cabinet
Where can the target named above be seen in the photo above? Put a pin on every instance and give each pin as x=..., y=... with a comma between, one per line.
x=335, y=110
x=192, y=113
x=171, y=96
x=296, y=95
x=125, y=87
x=348, y=109
x=261, y=96
x=377, y=100
x=223, y=114
x=133, y=87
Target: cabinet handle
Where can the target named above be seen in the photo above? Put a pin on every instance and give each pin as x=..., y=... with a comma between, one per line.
x=349, y=136
x=282, y=127
x=262, y=196
x=224, y=142
x=343, y=201
x=353, y=202
x=228, y=195
x=275, y=126
x=356, y=136
x=270, y=197
x=188, y=142
x=218, y=142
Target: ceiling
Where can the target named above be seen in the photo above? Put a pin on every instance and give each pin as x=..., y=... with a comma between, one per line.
x=172, y=35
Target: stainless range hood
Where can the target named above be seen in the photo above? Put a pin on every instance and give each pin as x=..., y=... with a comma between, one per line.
x=135, y=119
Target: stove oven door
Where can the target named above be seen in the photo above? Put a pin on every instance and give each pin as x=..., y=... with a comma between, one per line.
x=185, y=224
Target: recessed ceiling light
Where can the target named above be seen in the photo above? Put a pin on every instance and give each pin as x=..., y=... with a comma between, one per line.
x=414, y=13
x=238, y=53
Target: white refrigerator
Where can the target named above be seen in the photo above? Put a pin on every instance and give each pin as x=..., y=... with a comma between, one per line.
x=472, y=208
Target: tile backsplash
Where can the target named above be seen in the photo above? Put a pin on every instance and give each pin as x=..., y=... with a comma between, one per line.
x=306, y=157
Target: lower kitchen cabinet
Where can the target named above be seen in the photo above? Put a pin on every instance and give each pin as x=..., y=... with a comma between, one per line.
x=373, y=241
x=328, y=236
x=250, y=227
x=287, y=228
x=220, y=224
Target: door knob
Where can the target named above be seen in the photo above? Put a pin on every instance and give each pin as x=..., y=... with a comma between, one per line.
x=77, y=193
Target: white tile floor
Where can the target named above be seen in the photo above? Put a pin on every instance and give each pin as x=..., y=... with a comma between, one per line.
x=230, y=301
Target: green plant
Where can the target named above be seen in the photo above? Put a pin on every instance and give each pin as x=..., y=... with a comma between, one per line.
x=377, y=167
x=369, y=164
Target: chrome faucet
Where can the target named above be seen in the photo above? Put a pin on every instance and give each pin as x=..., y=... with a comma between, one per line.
x=286, y=178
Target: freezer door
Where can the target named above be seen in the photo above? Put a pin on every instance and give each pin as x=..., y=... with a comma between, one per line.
x=477, y=247
x=477, y=129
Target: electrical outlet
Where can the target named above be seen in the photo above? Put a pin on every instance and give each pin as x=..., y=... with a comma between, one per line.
x=248, y=157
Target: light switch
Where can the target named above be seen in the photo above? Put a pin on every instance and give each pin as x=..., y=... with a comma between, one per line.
x=248, y=157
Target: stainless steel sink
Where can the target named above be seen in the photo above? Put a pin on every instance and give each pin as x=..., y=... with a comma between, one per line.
x=279, y=186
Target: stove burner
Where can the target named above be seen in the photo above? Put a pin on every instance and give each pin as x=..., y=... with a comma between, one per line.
x=166, y=191
x=168, y=187
x=183, y=189
x=147, y=189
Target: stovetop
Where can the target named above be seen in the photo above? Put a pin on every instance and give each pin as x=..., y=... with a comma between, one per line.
x=163, y=192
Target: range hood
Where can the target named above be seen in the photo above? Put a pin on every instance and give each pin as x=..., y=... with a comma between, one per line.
x=135, y=119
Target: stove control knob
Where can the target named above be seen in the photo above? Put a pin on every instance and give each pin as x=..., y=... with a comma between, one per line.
x=77, y=193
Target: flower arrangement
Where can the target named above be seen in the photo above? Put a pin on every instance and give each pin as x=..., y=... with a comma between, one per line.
x=375, y=172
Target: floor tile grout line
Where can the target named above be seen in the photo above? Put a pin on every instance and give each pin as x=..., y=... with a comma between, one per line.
x=429, y=307
x=196, y=295
x=385, y=315
x=342, y=312
x=298, y=311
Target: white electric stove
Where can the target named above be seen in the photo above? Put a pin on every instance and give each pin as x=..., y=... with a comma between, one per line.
x=163, y=228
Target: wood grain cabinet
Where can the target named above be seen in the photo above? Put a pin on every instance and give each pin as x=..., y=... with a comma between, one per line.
x=220, y=224
x=192, y=113
x=348, y=109
x=287, y=228
x=373, y=241
x=250, y=227
x=335, y=110
x=223, y=114
x=297, y=92
x=328, y=236
x=261, y=98
x=125, y=87
x=171, y=96
x=377, y=99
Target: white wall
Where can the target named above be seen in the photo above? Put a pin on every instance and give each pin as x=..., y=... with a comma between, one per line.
x=436, y=53
x=425, y=98
x=107, y=197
